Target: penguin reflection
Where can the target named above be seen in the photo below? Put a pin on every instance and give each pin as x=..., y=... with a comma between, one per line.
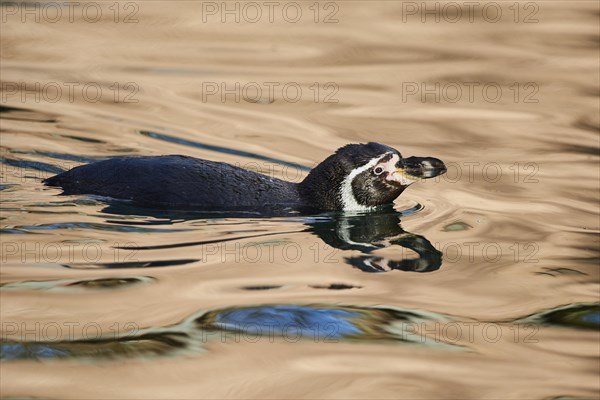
x=367, y=233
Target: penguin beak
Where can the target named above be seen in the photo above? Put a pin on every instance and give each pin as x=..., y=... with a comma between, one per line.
x=416, y=168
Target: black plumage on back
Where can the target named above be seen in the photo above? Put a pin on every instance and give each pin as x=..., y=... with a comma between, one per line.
x=176, y=181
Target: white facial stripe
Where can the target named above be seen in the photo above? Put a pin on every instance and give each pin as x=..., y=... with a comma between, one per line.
x=390, y=165
x=347, y=195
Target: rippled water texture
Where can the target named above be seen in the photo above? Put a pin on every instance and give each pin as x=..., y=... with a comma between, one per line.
x=481, y=284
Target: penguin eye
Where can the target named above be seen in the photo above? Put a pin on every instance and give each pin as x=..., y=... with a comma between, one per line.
x=378, y=170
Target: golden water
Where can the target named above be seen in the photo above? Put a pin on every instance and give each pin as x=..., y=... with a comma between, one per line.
x=516, y=216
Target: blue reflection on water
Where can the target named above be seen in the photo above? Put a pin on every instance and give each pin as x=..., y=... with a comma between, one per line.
x=291, y=320
x=16, y=351
x=592, y=318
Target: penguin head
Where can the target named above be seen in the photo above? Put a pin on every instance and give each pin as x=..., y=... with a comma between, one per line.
x=361, y=177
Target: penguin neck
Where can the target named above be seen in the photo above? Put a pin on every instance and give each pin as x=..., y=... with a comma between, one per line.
x=322, y=189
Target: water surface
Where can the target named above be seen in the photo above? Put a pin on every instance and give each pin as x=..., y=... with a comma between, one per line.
x=480, y=284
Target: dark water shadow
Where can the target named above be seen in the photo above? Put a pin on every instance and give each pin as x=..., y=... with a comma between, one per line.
x=25, y=115
x=91, y=226
x=577, y=316
x=335, y=286
x=220, y=149
x=133, y=264
x=77, y=285
x=59, y=156
x=30, y=165
x=145, y=345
